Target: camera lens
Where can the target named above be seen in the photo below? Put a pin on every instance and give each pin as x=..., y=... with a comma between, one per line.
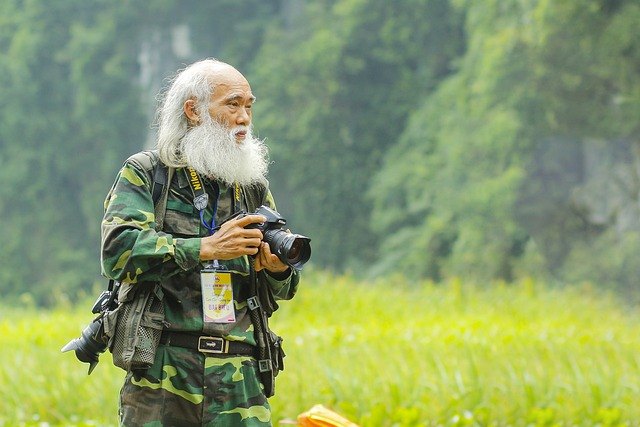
x=89, y=345
x=296, y=250
x=292, y=249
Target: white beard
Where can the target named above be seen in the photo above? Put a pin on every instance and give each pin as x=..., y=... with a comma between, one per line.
x=212, y=150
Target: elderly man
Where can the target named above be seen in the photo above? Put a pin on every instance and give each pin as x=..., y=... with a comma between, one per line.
x=205, y=370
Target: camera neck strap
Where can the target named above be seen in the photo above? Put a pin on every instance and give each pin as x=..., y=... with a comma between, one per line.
x=201, y=198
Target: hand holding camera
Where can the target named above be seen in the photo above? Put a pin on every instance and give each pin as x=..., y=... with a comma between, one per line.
x=265, y=260
x=244, y=235
x=292, y=249
x=233, y=239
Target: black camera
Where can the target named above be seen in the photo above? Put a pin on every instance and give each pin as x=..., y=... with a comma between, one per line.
x=292, y=249
x=92, y=341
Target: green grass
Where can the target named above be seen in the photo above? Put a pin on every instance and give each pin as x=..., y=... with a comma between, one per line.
x=382, y=354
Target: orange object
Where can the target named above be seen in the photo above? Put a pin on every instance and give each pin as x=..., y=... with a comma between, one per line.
x=319, y=416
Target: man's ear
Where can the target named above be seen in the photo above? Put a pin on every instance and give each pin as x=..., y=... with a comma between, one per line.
x=189, y=108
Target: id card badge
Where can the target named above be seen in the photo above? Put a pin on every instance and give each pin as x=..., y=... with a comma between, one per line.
x=217, y=296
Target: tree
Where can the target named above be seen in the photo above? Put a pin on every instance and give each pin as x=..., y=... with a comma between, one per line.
x=68, y=105
x=527, y=80
x=335, y=87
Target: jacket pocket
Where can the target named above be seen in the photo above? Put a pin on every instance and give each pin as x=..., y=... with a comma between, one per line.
x=181, y=219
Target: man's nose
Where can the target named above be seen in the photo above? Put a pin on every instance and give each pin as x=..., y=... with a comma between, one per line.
x=243, y=117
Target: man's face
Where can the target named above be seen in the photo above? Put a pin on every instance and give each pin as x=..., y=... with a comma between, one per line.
x=231, y=102
x=221, y=146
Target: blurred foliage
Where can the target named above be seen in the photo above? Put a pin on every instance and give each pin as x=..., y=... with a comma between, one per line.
x=468, y=183
x=487, y=140
x=349, y=74
x=67, y=97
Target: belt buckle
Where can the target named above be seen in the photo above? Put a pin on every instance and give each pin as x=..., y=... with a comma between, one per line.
x=215, y=345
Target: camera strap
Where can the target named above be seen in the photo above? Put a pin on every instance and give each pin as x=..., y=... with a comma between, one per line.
x=162, y=176
x=201, y=198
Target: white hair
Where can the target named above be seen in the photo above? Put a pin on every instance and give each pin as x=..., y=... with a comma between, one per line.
x=193, y=82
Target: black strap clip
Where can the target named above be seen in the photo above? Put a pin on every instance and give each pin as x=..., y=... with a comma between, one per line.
x=264, y=365
x=253, y=303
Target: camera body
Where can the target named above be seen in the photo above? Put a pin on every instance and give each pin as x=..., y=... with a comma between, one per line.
x=292, y=249
x=102, y=302
x=92, y=341
x=274, y=221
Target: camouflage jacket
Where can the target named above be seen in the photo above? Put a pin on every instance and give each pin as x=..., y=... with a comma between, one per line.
x=133, y=251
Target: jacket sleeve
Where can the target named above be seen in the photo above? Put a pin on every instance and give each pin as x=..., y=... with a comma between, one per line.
x=132, y=250
x=282, y=288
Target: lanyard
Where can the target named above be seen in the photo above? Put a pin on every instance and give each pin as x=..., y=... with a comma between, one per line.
x=201, y=198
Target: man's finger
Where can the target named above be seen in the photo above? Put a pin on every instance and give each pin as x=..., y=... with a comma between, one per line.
x=250, y=219
x=265, y=249
x=252, y=242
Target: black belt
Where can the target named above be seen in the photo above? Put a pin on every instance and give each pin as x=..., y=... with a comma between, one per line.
x=206, y=344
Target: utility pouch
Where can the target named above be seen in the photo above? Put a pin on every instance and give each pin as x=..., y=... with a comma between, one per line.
x=138, y=323
x=277, y=353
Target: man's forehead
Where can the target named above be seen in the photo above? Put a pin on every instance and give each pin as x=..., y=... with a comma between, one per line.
x=229, y=83
x=230, y=92
x=225, y=74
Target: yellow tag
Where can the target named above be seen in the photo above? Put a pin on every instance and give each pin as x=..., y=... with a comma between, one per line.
x=217, y=297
